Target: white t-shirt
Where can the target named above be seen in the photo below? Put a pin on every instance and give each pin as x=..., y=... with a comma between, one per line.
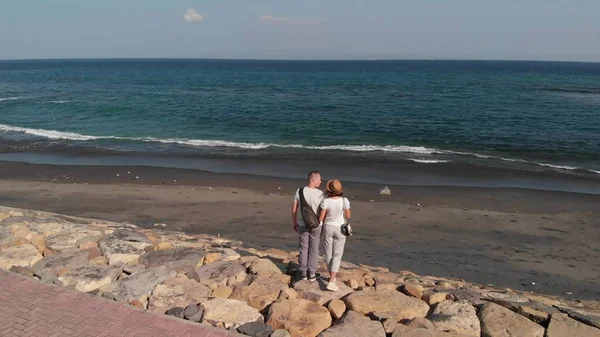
x=335, y=210
x=313, y=197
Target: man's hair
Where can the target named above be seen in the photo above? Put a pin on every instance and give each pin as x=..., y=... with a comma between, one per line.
x=312, y=174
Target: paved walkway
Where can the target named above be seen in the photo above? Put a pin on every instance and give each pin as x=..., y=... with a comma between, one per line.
x=31, y=308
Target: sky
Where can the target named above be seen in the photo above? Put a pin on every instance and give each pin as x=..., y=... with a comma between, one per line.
x=302, y=29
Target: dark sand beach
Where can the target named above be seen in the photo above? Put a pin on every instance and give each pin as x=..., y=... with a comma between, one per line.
x=543, y=241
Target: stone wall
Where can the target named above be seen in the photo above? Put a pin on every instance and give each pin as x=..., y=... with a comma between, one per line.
x=215, y=281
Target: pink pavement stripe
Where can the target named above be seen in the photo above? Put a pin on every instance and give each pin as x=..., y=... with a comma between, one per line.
x=31, y=308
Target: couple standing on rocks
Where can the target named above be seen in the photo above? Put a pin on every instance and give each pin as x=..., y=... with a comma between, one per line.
x=315, y=215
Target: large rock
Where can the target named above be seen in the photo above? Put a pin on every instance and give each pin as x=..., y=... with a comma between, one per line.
x=21, y=231
x=507, y=297
x=354, y=325
x=414, y=290
x=25, y=271
x=263, y=266
x=302, y=318
x=140, y=285
x=90, y=277
x=129, y=236
x=459, y=317
x=220, y=254
x=6, y=238
x=260, y=293
x=588, y=318
x=232, y=313
x=219, y=274
x=221, y=292
x=387, y=319
x=403, y=331
x=337, y=308
x=535, y=311
x=177, y=291
x=387, y=301
x=24, y=255
x=497, y=321
x=69, y=239
x=47, y=226
x=386, y=278
x=432, y=298
x=256, y=329
x=563, y=326
x=182, y=260
x=4, y=216
x=420, y=322
x=62, y=262
x=123, y=247
x=317, y=291
x=355, y=278
x=280, y=333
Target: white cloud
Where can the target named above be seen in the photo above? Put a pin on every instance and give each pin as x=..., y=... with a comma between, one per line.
x=192, y=16
x=271, y=18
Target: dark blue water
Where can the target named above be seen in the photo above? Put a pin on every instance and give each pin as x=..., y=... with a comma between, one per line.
x=534, y=116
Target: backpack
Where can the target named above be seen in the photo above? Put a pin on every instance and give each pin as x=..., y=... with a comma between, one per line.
x=311, y=220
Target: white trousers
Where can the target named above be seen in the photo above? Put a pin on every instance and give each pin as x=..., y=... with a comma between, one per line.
x=334, y=247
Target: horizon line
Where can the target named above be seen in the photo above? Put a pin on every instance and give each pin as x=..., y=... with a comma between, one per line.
x=293, y=60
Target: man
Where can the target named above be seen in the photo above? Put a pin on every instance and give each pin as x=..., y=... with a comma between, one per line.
x=309, y=240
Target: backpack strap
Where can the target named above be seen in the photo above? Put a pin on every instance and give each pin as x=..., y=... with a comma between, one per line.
x=302, y=198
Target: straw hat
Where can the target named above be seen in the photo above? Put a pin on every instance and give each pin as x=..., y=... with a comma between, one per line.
x=334, y=187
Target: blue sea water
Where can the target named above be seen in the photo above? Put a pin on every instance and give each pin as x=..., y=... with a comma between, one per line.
x=533, y=116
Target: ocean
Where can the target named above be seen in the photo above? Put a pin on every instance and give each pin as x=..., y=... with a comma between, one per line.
x=532, y=118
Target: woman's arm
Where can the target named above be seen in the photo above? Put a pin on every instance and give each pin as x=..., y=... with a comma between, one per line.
x=348, y=214
x=322, y=215
x=347, y=211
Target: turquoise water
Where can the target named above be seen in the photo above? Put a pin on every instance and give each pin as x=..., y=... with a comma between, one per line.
x=535, y=116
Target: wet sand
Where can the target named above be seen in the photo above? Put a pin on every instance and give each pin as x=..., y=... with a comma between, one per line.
x=544, y=241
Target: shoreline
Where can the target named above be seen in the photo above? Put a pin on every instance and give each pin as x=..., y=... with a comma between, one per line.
x=483, y=235
x=359, y=168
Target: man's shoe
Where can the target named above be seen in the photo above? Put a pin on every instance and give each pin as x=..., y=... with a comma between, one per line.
x=332, y=287
x=314, y=277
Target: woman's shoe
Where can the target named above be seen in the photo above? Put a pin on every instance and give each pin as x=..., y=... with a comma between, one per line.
x=332, y=287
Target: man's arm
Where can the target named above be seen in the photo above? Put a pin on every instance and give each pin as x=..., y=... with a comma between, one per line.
x=295, y=215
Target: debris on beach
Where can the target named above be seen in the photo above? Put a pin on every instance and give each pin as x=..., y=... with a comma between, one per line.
x=385, y=191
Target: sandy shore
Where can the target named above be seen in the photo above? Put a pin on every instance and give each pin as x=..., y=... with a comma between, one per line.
x=523, y=239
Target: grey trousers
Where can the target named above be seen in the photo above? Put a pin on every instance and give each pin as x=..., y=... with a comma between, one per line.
x=309, y=250
x=334, y=247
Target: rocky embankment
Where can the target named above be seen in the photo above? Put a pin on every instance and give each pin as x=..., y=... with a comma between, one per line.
x=215, y=281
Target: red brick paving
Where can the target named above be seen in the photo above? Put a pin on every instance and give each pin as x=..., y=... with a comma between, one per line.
x=31, y=308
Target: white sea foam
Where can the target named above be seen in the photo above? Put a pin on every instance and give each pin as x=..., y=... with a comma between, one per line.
x=205, y=143
x=53, y=102
x=53, y=134
x=562, y=167
x=428, y=161
x=258, y=146
x=9, y=98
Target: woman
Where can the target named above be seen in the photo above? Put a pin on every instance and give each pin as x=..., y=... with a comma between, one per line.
x=333, y=211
